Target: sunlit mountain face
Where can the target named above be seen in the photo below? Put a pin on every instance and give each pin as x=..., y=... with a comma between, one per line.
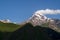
x=38, y=19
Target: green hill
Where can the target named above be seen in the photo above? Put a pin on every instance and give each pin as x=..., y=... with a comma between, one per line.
x=8, y=27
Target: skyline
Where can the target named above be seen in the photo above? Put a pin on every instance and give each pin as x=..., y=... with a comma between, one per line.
x=21, y=10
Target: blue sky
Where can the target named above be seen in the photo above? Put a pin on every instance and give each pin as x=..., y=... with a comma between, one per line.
x=20, y=10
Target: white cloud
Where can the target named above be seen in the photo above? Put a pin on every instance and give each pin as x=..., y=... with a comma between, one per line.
x=48, y=11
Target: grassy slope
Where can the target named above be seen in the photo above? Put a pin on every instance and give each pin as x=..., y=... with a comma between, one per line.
x=8, y=27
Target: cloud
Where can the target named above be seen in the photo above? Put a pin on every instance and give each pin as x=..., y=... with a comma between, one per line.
x=48, y=11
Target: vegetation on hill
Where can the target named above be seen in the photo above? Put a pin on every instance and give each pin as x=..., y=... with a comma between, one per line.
x=8, y=27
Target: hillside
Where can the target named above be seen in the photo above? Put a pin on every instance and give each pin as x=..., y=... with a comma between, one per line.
x=8, y=27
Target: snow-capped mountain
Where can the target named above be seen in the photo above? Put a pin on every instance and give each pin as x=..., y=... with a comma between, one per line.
x=38, y=19
x=5, y=21
x=54, y=24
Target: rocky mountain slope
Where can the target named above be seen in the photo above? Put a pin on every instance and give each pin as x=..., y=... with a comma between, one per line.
x=37, y=19
x=42, y=20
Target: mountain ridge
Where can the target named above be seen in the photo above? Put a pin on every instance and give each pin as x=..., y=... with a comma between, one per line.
x=29, y=32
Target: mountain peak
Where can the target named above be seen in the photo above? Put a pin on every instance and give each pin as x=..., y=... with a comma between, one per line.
x=5, y=21
x=37, y=19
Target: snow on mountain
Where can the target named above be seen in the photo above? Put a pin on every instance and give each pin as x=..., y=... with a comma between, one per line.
x=38, y=19
x=5, y=21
